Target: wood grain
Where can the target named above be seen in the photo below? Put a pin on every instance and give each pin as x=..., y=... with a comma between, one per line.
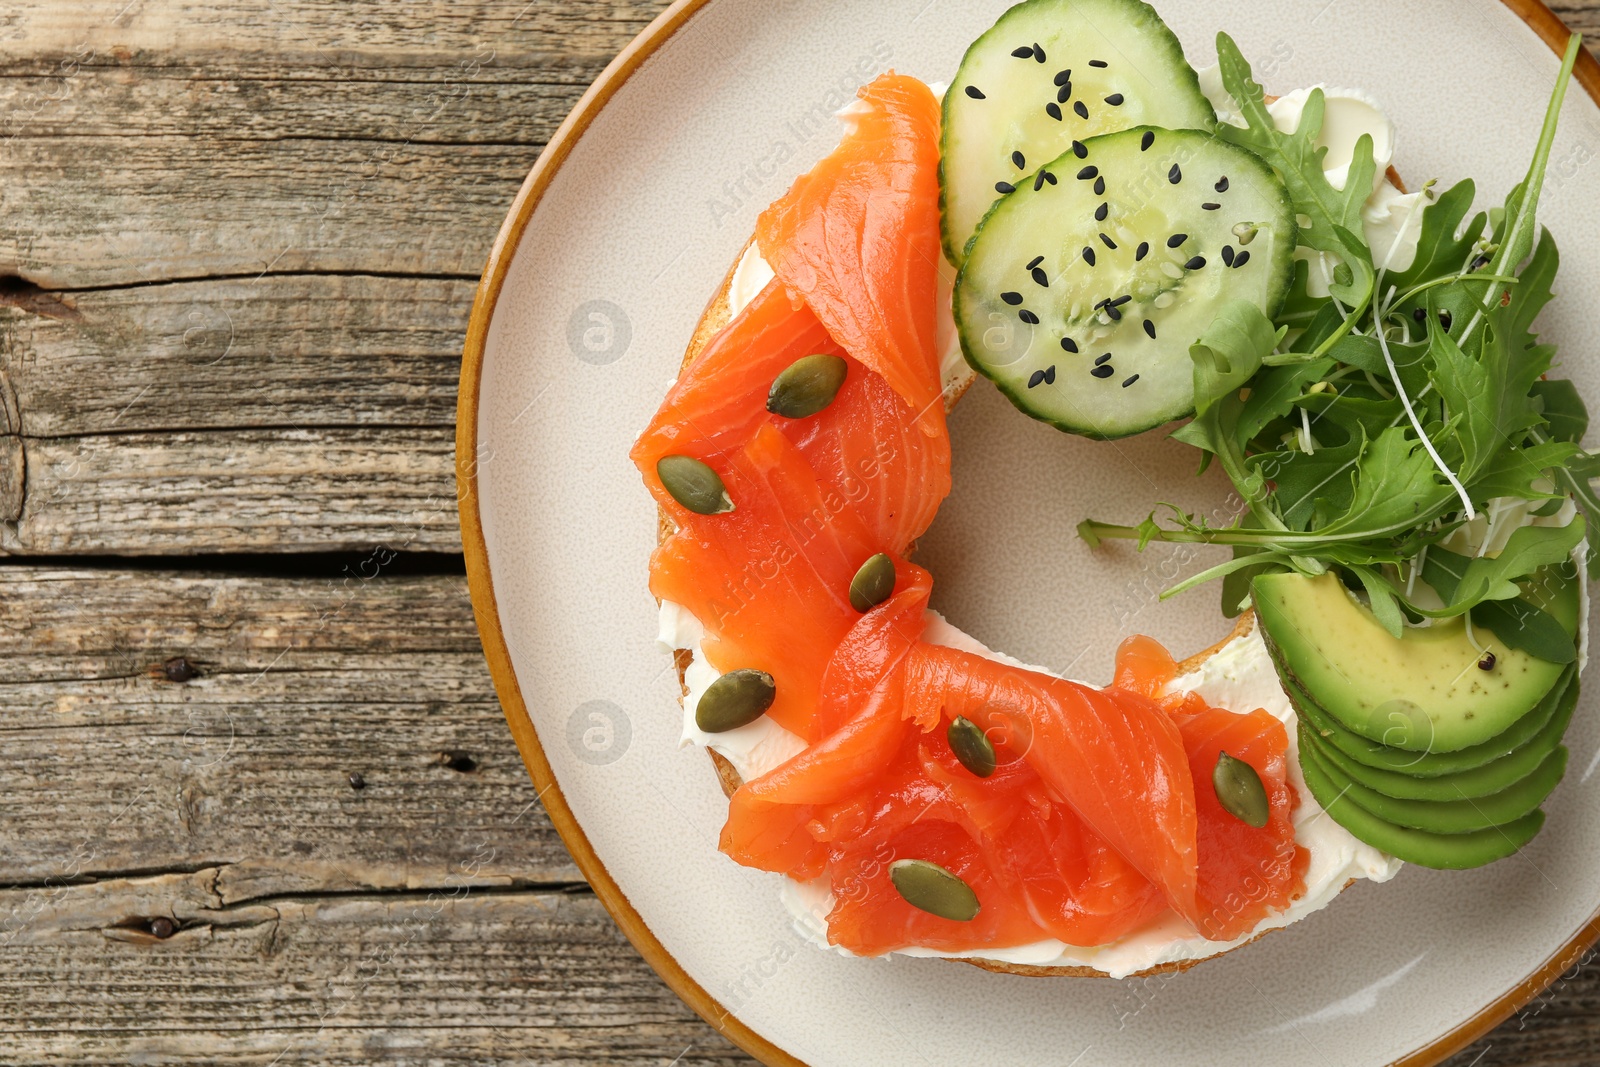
x=238, y=243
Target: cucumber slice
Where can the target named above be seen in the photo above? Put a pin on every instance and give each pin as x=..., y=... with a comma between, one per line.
x=1048, y=73
x=1084, y=289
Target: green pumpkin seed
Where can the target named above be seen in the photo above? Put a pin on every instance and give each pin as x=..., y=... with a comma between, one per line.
x=1240, y=791
x=807, y=386
x=1245, y=232
x=929, y=887
x=873, y=583
x=694, y=485
x=972, y=747
x=736, y=699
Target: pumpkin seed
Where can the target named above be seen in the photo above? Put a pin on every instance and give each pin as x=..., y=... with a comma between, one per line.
x=971, y=746
x=807, y=386
x=873, y=583
x=1240, y=791
x=736, y=699
x=929, y=887
x=694, y=485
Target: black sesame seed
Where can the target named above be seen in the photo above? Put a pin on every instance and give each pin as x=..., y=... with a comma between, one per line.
x=1144, y=250
x=1025, y=52
x=1100, y=186
x=1119, y=301
x=1088, y=256
x=1088, y=173
x=1222, y=186
x=975, y=92
x=1050, y=374
x=1177, y=239
x=1101, y=212
x=1241, y=259
x=1420, y=315
x=1063, y=77
x=1040, y=277
x=1100, y=361
x=1210, y=207
x=1069, y=345
x=1082, y=112
x=1011, y=298
x=1064, y=93
x=1487, y=662
x=1051, y=178
x=1019, y=160
x=1098, y=63
x=1038, y=53
x=1004, y=188
x=1036, y=379
x=1147, y=140
x=1129, y=381
x=1175, y=175
x=1038, y=181
x=1227, y=254
x=1103, y=372
x=1080, y=149
x=1036, y=261
x=1196, y=263
x=1108, y=242
x=1445, y=320
x=1053, y=109
x=1102, y=303
x=1150, y=328
x=1115, y=99
x=1113, y=314
x=1479, y=263
x=1028, y=317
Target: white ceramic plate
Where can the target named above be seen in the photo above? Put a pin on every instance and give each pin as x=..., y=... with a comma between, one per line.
x=620, y=236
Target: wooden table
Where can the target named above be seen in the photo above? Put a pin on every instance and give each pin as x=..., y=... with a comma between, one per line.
x=260, y=803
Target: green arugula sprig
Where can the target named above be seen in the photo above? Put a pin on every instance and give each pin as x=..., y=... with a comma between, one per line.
x=1362, y=429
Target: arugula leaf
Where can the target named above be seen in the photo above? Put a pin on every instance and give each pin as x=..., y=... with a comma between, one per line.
x=1563, y=409
x=1381, y=598
x=1514, y=471
x=1520, y=625
x=1527, y=549
x=1440, y=251
x=1397, y=487
x=1519, y=224
x=1334, y=214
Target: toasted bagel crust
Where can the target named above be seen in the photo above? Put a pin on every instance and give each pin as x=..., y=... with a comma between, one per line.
x=716, y=316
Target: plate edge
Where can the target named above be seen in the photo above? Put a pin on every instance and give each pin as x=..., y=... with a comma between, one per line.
x=1537, y=15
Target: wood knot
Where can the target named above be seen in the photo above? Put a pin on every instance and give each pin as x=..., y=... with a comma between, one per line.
x=460, y=762
x=177, y=669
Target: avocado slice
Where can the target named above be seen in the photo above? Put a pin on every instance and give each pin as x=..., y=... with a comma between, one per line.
x=1533, y=727
x=1449, y=852
x=1481, y=781
x=1446, y=815
x=1424, y=691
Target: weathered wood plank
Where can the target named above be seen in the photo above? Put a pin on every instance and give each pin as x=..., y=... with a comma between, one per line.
x=443, y=978
x=374, y=191
x=321, y=38
x=112, y=766
x=306, y=350
x=238, y=491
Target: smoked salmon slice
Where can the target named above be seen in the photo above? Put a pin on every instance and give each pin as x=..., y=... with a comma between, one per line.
x=1099, y=818
x=857, y=239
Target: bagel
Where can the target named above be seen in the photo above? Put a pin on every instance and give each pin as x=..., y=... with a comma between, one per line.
x=718, y=313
